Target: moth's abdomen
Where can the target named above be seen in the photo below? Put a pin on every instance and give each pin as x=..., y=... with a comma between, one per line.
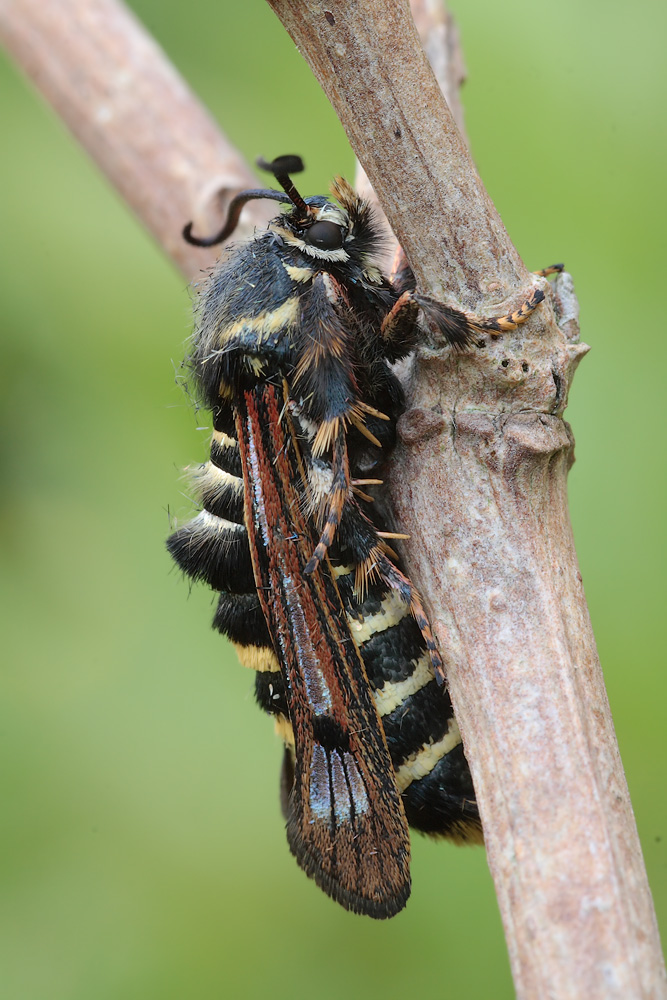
x=214, y=550
x=240, y=617
x=422, y=735
x=213, y=547
x=442, y=802
x=220, y=492
x=416, y=712
x=225, y=453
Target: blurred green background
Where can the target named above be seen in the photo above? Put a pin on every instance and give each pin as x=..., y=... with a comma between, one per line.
x=142, y=848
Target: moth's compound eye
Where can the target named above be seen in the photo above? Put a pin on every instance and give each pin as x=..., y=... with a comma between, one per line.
x=325, y=236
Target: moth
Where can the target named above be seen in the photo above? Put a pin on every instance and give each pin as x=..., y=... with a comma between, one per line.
x=296, y=334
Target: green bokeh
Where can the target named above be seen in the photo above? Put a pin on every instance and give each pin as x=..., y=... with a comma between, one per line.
x=142, y=848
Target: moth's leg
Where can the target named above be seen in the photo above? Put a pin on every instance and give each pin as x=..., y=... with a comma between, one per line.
x=399, y=327
x=505, y=324
x=552, y=269
x=400, y=275
x=370, y=554
x=453, y=325
x=340, y=488
x=325, y=389
x=324, y=384
x=400, y=323
x=399, y=582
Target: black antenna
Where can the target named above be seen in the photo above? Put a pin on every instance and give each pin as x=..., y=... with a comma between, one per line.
x=281, y=168
x=233, y=213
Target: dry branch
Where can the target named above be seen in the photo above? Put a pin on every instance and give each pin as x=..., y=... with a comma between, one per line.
x=117, y=92
x=480, y=475
x=439, y=37
x=479, y=481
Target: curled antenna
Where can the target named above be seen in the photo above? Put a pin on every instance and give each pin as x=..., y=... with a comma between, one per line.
x=281, y=168
x=233, y=213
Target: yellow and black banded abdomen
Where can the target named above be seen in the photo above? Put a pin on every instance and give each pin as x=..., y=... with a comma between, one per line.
x=424, y=744
x=423, y=738
x=213, y=547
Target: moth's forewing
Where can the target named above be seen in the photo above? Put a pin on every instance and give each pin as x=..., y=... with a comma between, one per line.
x=345, y=821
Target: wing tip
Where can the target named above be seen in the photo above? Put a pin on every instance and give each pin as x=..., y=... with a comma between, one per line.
x=380, y=902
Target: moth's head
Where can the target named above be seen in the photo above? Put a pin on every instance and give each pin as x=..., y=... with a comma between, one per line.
x=321, y=232
x=317, y=226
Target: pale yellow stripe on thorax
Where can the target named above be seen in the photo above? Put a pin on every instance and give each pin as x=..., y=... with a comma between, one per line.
x=421, y=763
x=299, y=274
x=392, y=611
x=393, y=693
x=265, y=323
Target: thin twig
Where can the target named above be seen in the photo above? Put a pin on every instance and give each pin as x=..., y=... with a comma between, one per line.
x=126, y=104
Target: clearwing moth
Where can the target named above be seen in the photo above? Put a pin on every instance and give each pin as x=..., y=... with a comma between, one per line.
x=296, y=333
